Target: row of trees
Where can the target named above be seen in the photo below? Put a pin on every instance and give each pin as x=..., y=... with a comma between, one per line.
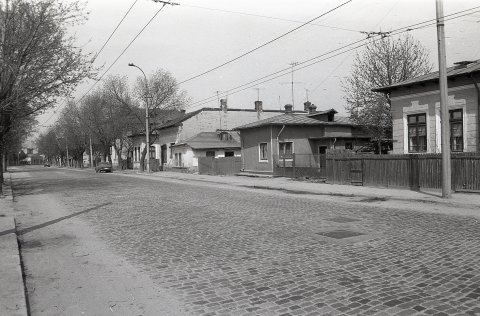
x=108, y=115
x=39, y=62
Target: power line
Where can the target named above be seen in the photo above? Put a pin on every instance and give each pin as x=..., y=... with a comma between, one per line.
x=264, y=44
x=271, y=17
x=286, y=71
x=116, y=28
x=104, y=44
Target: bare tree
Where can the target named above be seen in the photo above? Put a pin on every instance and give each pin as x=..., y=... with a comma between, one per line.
x=39, y=61
x=160, y=91
x=384, y=61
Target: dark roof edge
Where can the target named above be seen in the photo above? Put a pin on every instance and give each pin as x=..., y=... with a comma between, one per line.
x=436, y=79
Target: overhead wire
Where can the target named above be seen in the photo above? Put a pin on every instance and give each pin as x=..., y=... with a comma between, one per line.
x=103, y=46
x=287, y=70
x=271, y=18
x=264, y=44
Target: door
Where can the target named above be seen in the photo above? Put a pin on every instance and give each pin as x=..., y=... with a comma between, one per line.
x=163, y=156
x=322, y=160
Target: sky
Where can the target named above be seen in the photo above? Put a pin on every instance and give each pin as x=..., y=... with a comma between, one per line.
x=195, y=36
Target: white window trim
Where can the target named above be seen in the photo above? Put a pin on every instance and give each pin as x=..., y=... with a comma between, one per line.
x=452, y=105
x=415, y=108
x=293, y=149
x=260, y=153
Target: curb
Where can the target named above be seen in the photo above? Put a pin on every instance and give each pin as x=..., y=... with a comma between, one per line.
x=12, y=290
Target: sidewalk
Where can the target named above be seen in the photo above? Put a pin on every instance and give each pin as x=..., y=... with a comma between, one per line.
x=12, y=292
x=428, y=198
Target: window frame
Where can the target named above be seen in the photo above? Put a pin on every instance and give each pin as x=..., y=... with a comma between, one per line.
x=210, y=151
x=265, y=159
x=281, y=154
x=151, y=152
x=458, y=121
x=416, y=125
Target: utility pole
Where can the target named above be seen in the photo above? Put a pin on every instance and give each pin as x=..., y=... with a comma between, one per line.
x=446, y=159
x=147, y=124
x=293, y=64
x=91, y=152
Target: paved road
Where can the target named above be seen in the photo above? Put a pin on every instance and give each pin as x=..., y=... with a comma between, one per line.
x=236, y=251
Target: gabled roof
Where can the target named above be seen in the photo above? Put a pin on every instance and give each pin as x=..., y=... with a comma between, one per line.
x=209, y=140
x=460, y=69
x=176, y=120
x=297, y=119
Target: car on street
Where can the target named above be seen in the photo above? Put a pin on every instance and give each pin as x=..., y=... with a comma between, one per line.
x=103, y=167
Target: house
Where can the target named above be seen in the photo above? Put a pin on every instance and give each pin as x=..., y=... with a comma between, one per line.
x=184, y=126
x=206, y=144
x=269, y=142
x=415, y=108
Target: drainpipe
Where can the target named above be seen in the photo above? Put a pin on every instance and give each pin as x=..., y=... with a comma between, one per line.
x=278, y=135
x=478, y=110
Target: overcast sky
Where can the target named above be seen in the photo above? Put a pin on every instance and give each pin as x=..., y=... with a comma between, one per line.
x=198, y=35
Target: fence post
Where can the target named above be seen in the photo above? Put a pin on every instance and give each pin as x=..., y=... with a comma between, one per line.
x=293, y=165
x=414, y=173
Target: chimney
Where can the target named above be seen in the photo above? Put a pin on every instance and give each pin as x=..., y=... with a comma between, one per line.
x=288, y=108
x=312, y=108
x=258, y=106
x=223, y=105
x=306, y=105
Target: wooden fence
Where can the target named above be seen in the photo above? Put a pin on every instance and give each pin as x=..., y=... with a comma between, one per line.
x=411, y=171
x=219, y=166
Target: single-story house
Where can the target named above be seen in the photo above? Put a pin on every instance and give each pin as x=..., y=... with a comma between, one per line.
x=184, y=126
x=266, y=143
x=205, y=144
x=415, y=108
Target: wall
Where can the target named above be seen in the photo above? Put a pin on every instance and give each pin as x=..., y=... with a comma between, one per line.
x=251, y=139
x=421, y=100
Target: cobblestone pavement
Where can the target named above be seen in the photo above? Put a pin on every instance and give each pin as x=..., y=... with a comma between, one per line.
x=231, y=251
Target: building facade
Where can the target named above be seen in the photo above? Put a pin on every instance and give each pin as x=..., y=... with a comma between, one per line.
x=415, y=108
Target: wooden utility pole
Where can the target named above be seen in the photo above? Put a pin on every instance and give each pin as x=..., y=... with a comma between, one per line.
x=442, y=72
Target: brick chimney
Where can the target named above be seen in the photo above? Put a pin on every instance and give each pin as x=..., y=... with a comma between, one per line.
x=288, y=108
x=306, y=105
x=258, y=106
x=312, y=108
x=223, y=105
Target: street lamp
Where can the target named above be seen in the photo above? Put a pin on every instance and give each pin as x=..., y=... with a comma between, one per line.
x=147, y=130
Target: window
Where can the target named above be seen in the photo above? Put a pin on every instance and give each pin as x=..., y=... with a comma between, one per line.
x=349, y=145
x=178, y=160
x=285, y=150
x=417, y=133
x=263, y=151
x=210, y=153
x=229, y=154
x=456, y=130
x=152, y=152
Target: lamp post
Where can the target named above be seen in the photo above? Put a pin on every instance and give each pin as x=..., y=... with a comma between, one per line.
x=147, y=130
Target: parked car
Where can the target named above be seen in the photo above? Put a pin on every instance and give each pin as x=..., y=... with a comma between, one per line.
x=103, y=167
x=46, y=164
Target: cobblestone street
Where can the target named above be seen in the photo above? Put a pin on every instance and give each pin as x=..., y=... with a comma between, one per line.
x=224, y=250
x=243, y=252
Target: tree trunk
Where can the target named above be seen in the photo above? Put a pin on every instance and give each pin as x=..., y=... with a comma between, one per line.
x=119, y=156
x=379, y=146
x=1, y=170
x=142, y=159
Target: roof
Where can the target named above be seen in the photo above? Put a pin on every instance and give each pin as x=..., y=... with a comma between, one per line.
x=209, y=140
x=460, y=69
x=303, y=119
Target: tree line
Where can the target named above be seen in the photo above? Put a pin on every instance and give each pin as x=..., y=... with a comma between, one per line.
x=108, y=117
